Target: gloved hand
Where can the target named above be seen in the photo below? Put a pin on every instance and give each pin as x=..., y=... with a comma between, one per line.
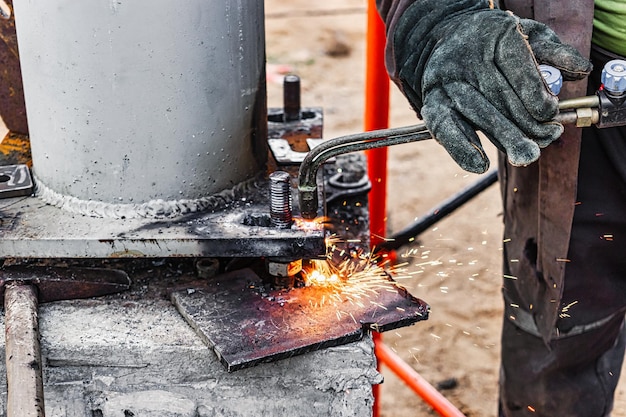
x=467, y=67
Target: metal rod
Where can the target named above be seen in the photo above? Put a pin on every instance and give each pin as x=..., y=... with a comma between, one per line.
x=578, y=102
x=416, y=382
x=407, y=234
x=23, y=352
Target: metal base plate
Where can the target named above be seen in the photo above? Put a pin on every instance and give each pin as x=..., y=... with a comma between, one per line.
x=29, y=228
x=246, y=324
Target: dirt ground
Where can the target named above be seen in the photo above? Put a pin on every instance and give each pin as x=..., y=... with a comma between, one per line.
x=456, y=265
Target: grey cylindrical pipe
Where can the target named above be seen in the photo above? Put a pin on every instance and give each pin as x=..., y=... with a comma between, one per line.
x=139, y=101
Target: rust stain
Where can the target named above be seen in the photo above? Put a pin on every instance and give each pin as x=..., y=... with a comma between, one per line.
x=15, y=149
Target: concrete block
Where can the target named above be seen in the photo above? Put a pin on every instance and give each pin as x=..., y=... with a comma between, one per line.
x=116, y=357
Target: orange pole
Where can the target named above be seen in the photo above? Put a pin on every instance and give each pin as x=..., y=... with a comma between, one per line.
x=413, y=380
x=376, y=117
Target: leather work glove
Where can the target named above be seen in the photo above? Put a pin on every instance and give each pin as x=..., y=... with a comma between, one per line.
x=467, y=67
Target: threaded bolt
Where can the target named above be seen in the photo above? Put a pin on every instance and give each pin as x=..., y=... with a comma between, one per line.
x=280, y=199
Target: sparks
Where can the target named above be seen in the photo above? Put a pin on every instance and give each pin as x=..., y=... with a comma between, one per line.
x=350, y=276
x=565, y=310
x=310, y=225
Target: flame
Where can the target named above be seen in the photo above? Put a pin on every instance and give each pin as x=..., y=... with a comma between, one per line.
x=321, y=275
x=310, y=225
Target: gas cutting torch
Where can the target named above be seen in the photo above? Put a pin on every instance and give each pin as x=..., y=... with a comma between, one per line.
x=606, y=108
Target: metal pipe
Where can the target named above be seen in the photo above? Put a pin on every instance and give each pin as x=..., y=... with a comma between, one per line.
x=307, y=178
x=416, y=382
x=578, y=102
x=105, y=137
x=376, y=116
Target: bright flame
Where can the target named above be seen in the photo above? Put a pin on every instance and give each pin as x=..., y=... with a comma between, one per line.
x=310, y=225
x=322, y=276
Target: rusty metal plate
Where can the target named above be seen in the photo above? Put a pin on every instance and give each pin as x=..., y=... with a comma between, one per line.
x=246, y=324
x=57, y=283
x=15, y=149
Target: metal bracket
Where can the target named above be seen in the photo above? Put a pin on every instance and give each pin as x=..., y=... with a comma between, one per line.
x=15, y=181
x=285, y=155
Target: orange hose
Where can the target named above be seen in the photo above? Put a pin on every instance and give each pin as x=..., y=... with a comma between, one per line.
x=413, y=380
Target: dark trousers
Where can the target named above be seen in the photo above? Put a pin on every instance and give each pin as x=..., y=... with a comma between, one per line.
x=575, y=375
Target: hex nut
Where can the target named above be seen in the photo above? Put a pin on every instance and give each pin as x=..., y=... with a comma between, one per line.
x=284, y=269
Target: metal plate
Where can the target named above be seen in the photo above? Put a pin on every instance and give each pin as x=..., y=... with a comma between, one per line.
x=285, y=155
x=245, y=324
x=54, y=283
x=30, y=228
x=15, y=181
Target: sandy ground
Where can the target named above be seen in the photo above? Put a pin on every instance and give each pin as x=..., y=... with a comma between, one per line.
x=455, y=265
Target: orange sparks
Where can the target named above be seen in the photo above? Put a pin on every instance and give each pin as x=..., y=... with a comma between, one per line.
x=349, y=276
x=310, y=225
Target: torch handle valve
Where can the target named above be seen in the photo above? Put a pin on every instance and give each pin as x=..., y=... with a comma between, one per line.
x=606, y=108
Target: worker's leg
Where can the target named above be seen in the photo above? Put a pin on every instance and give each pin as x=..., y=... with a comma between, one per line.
x=575, y=377
x=577, y=373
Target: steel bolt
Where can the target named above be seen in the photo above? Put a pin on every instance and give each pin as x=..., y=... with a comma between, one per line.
x=280, y=199
x=291, y=97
